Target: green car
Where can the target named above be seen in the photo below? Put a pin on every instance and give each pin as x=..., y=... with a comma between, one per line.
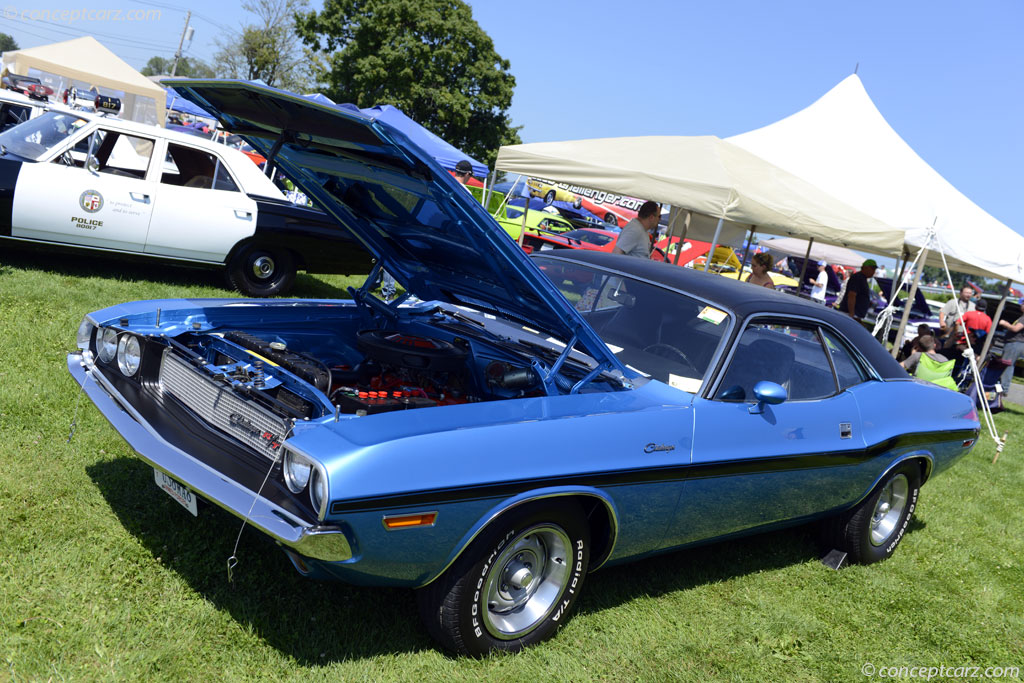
x=511, y=218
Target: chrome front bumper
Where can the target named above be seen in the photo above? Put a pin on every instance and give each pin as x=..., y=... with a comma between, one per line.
x=327, y=543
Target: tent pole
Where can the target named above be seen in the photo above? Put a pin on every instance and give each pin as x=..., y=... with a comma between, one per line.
x=746, y=252
x=995, y=322
x=483, y=193
x=898, y=344
x=522, y=227
x=668, y=238
x=714, y=244
x=898, y=278
x=682, y=238
x=490, y=190
x=803, y=268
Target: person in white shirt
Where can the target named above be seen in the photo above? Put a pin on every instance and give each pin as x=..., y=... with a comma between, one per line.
x=820, y=283
x=635, y=238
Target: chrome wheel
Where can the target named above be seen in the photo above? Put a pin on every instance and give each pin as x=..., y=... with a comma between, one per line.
x=526, y=581
x=263, y=267
x=889, y=509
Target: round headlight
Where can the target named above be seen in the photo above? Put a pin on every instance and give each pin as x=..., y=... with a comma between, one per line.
x=129, y=354
x=296, y=471
x=317, y=491
x=106, y=345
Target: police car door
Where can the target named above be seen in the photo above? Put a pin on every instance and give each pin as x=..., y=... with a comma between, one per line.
x=201, y=212
x=104, y=201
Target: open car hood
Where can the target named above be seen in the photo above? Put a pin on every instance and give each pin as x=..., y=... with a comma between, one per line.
x=423, y=226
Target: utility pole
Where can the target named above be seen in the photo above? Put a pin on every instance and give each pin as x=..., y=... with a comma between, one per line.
x=184, y=31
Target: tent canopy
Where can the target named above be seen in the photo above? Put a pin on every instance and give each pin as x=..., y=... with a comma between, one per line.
x=176, y=102
x=844, y=145
x=708, y=176
x=819, y=252
x=444, y=153
x=86, y=60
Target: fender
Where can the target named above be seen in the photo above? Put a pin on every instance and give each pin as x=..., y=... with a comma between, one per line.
x=9, y=169
x=528, y=497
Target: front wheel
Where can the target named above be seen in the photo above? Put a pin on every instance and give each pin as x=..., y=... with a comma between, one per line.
x=261, y=271
x=549, y=197
x=515, y=585
x=871, y=531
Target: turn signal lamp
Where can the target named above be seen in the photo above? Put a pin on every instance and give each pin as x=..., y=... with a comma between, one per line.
x=407, y=521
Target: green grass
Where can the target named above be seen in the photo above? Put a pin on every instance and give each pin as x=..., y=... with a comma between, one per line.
x=102, y=577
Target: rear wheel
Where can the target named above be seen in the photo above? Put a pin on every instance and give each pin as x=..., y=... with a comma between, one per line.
x=261, y=271
x=871, y=531
x=515, y=585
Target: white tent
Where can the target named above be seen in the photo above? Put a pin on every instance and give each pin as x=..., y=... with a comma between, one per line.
x=819, y=252
x=844, y=146
x=85, y=62
x=707, y=176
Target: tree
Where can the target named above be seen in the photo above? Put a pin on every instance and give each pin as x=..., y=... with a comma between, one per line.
x=429, y=58
x=191, y=67
x=268, y=50
x=8, y=43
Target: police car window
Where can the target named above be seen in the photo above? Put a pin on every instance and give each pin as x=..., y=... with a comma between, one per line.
x=13, y=114
x=121, y=154
x=787, y=354
x=36, y=137
x=190, y=167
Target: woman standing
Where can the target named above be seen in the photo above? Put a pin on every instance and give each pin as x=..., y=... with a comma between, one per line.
x=760, y=264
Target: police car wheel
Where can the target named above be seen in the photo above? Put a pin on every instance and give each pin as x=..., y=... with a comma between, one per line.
x=261, y=271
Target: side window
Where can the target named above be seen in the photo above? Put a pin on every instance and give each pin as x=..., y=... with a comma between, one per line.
x=190, y=167
x=120, y=154
x=848, y=370
x=791, y=355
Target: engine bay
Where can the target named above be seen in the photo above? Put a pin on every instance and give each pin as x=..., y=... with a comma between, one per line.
x=379, y=371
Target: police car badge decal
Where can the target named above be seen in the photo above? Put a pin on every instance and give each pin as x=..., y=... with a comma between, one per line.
x=91, y=201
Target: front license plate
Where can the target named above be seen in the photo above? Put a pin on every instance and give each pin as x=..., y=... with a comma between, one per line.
x=178, y=492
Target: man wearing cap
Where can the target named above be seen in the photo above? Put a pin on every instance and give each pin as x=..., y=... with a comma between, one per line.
x=1013, y=347
x=820, y=283
x=463, y=172
x=858, y=295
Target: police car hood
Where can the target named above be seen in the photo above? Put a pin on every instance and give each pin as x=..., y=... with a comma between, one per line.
x=426, y=229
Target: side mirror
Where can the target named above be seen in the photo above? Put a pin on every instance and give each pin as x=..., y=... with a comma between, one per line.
x=768, y=393
x=92, y=164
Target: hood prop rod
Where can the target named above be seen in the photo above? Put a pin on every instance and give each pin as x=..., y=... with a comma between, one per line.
x=285, y=136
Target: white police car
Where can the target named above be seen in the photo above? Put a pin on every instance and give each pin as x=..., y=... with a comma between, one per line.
x=76, y=179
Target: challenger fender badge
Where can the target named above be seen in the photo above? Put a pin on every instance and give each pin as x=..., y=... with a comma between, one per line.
x=91, y=201
x=655, y=447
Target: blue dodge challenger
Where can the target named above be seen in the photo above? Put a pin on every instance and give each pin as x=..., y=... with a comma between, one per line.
x=495, y=427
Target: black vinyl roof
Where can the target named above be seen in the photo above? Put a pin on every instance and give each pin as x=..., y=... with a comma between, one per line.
x=741, y=298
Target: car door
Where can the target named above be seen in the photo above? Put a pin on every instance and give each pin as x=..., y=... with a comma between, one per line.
x=757, y=464
x=201, y=212
x=107, y=205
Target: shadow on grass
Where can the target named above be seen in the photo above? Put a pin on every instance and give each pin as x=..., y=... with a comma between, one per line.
x=322, y=622
x=131, y=269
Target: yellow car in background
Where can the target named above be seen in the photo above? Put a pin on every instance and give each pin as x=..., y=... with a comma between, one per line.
x=549, y=192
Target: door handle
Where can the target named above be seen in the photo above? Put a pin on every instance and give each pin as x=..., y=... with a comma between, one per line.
x=243, y=215
x=139, y=197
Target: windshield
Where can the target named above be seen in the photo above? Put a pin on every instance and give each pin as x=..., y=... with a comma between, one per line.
x=34, y=138
x=590, y=237
x=658, y=332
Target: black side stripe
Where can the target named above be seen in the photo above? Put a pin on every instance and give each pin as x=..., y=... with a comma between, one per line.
x=8, y=180
x=649, y=475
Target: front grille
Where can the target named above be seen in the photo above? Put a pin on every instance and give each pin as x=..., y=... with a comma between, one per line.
x=221, y=407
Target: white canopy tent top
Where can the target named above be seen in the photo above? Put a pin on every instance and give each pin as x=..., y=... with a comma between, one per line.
x=819, y=252
x=844, y=145
x=85, y=60
x=708, y=176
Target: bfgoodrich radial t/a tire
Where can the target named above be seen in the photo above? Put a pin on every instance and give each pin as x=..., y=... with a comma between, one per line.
x=871, y=531
x=515, y=585
x=261, y=271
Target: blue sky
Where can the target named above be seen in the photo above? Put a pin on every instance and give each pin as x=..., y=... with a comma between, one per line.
x=946, y=75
